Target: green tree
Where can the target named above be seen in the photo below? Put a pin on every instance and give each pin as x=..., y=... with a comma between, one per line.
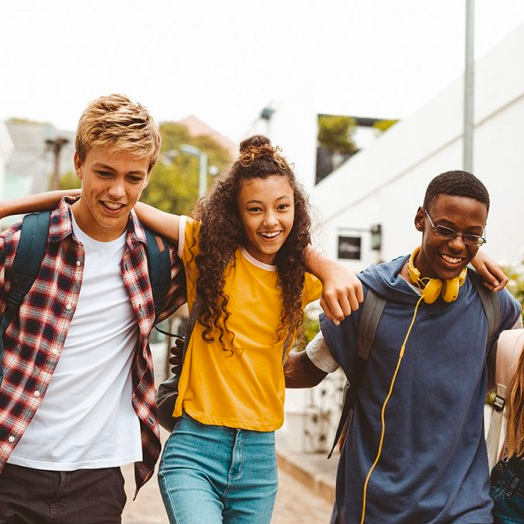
x=515, y=274
x=69, y=181
x=174, y=180
x=336, y=133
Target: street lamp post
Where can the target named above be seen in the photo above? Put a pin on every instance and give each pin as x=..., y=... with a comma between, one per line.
x=202, y=159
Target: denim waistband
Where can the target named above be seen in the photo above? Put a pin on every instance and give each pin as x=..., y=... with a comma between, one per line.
x=516, y=465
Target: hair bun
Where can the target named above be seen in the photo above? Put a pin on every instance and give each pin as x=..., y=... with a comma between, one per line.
x=254, y=142
x=254, y=147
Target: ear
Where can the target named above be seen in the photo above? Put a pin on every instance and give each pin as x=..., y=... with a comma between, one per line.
x=420, y=219
x=78, y=166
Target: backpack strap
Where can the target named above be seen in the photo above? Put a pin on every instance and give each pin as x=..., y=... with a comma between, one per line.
x=25, y=268
x=372, y=309
x=368, y=322
x=159, y=264
x=491, y=305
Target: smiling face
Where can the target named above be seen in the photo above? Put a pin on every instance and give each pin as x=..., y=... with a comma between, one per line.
x=111, y=185
x=441, y=258
x=267, y=211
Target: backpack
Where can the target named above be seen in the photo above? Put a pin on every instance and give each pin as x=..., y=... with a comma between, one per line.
x=372, y=309
x=510, y=345
x=29, y=256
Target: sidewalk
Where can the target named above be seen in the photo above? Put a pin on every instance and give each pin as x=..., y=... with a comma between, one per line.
x=314, y=470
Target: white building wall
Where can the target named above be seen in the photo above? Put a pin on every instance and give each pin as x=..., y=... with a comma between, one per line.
x=386, y=182
x=6, y=148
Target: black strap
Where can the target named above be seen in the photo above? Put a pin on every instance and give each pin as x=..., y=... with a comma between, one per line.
x=159, y=263
x=25, y=268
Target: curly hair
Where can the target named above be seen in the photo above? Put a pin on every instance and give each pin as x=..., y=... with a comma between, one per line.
x=222, y=234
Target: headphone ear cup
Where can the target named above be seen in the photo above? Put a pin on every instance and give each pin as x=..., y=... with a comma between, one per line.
x=451, y=290
x=432, y=290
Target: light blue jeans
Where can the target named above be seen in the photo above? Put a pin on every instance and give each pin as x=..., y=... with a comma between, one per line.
x=214, y=474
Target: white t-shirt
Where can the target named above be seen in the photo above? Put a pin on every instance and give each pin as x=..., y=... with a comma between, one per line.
x=86, y=419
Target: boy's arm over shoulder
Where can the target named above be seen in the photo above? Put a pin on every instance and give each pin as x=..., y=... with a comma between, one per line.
x=341, y=289
x=307, y=368
x=166, y=224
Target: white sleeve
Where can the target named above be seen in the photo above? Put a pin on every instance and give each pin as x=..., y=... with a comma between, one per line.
x=318, y=352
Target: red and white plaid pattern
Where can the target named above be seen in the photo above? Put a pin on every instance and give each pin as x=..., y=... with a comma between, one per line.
x=34, y=341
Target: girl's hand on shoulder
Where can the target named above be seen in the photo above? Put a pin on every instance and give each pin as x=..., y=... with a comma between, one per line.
x=490, y=271
x=341, y=293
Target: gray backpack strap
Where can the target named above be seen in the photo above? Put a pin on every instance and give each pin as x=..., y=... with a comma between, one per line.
x=367, y=325
x=372, y=309
x=491, y=305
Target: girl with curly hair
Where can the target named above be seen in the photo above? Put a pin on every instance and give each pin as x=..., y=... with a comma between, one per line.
x=245, y=251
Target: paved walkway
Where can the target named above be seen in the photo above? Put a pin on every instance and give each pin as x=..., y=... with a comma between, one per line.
x=296, y=503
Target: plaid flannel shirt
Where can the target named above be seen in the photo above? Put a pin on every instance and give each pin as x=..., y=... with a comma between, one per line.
x=35, y=339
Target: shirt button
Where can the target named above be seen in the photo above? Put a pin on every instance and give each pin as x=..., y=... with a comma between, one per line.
x=36, y=393
x=68, y=307
x=54, y=351
x=11, y=439
x=78, y=263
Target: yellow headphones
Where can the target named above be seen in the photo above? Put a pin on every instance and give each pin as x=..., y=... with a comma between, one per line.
x=432, y=288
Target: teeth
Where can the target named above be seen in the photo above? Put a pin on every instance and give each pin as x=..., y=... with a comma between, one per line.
x=112, y=205
x=270, y=235
x=451, y=260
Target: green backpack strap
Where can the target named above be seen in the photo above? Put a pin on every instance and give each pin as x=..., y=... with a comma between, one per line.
x=159, y=264
x=25, y=268
x=372, y=309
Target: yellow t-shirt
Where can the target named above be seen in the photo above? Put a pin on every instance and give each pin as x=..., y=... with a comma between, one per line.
x=243, y=388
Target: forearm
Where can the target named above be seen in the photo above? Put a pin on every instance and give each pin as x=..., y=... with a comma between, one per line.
x=300, y=372
x=33, y=203
x=166, y=224
x=341, y=289
x=490, y=271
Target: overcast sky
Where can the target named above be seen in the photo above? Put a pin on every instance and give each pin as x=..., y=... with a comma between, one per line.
x=224, y=60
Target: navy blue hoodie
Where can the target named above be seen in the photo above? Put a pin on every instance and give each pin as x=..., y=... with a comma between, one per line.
x=433, y=468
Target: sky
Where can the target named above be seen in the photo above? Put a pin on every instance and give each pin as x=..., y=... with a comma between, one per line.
x=224, y=60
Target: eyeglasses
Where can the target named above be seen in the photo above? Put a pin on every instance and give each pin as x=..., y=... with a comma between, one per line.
x=449, y=234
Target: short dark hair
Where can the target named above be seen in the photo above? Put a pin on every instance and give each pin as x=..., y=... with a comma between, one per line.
x=456, y=183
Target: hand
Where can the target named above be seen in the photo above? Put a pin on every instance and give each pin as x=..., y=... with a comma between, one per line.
x=176, y=356
x=490, y=271
x=341, y=293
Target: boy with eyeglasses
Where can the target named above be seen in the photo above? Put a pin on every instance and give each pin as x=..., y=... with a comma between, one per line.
x=415, y=451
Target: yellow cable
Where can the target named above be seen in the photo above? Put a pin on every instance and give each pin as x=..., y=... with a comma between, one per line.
x=383, y=412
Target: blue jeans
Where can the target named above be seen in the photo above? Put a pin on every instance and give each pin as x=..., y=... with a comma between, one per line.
x=507, y=491
x=214, y=474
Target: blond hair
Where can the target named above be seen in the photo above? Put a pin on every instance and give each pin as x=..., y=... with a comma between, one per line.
x=515, y=412
x=120, y=125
